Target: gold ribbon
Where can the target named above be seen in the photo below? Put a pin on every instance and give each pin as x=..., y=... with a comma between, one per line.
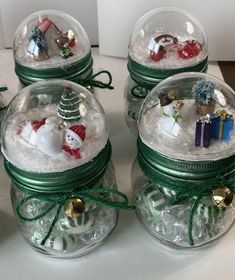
x=223, y=116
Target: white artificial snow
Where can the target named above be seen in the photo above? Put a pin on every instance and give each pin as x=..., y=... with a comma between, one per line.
x=182, y=146
x=139, y=52
x=29, y=158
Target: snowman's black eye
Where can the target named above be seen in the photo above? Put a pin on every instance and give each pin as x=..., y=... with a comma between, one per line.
x=72, y=139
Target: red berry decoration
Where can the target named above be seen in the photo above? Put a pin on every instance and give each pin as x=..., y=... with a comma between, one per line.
x=189, y=49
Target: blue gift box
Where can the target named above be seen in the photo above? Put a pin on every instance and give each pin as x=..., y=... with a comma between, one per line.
x=221, y=125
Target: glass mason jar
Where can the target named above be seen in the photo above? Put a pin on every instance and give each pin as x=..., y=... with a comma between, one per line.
x=57, y=154
x=184, y=175
x=52, y=44
x=163, y=42
x=3, y=104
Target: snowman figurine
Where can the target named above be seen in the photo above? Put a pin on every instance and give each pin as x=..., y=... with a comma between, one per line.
x=73, y=140
x=46, y=135
x=168, y=124
x=49, y=139
x=28, y=131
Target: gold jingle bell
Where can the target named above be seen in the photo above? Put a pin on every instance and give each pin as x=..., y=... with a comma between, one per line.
x=222, y=197
x=74, y=207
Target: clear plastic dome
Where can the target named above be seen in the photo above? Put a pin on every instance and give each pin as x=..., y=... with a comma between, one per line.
x=53, y=126
x=168, y=38
x=50, y=39
x=189, y=116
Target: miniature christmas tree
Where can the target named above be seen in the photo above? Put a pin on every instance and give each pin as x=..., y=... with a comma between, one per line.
x=71, y=106
x=203, y=91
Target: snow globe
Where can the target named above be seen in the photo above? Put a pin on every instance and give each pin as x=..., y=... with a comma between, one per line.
x=52, y=44
x=184, y=175
x=3, y=102
x=163, y=42
x=57, y=154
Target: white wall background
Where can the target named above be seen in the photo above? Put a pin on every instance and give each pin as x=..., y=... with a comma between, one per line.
x=116, y=18
x=14, y=11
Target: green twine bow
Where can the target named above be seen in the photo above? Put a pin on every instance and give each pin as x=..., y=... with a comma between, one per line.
x=93, y=82
x=186, y=188
x=57, y=200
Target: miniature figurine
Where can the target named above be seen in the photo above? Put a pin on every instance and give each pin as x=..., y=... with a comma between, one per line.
x=158, y=47
x=38, y=45
x=65, y=42
x=203, y=92
x=189, y=49
x=46, y=135
x=74, y=137
x=203, y=132
x=222, y=125
x=169, y=122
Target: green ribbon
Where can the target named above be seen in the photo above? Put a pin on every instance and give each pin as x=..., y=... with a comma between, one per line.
x=57, y=200
x=55, y=188
x=93, y=82
x=3, y=88
x=79, y=72
x=194, y=186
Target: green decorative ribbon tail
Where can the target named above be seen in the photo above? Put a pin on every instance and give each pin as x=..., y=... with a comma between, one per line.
x=95, y=83
x=3, y=88
x=57, y=200
x=152, y=165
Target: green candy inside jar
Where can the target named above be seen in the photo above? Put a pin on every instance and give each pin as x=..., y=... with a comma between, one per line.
x=184, y=175
x=163, y=42
x=58, y=156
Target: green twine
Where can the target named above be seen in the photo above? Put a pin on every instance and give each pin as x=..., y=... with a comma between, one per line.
x=3, y=88
x=58, y=200
x=187, y=188
x=93, y=82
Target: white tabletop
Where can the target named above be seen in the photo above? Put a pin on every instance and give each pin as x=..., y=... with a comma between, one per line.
x=129, y=253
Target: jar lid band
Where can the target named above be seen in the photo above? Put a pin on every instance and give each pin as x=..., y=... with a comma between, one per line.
x=81, y=69
x=183, y=169
x=149, y=77
x=84, y=175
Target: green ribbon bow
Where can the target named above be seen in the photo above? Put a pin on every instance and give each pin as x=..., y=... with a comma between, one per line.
x=57, y=200
x=55, y=188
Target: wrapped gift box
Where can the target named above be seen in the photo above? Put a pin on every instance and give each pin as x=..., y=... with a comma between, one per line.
x=222, y=125
x=203, y=133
